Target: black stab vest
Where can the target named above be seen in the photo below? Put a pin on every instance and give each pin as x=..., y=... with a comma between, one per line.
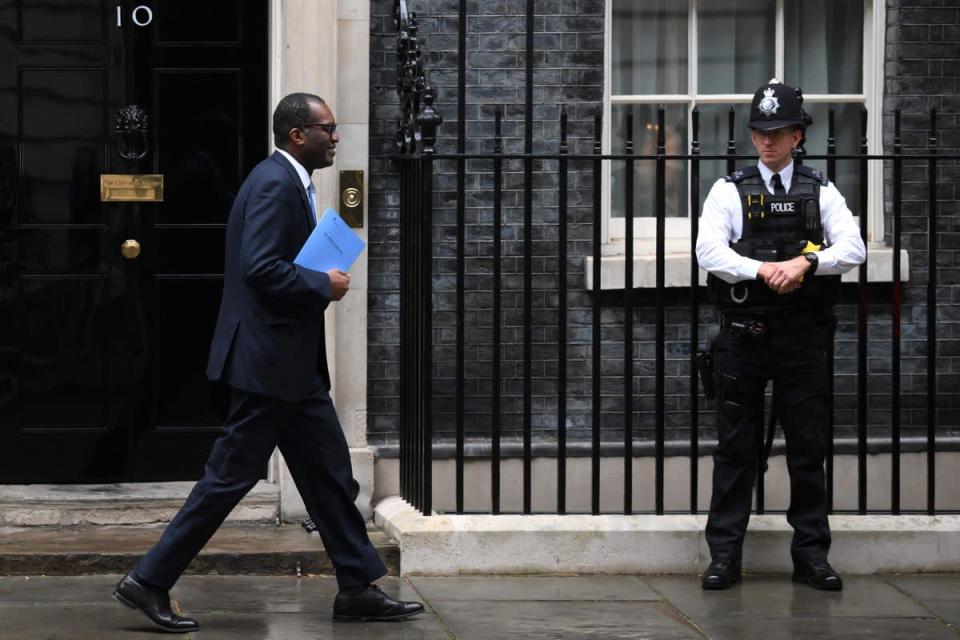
x=777, y=228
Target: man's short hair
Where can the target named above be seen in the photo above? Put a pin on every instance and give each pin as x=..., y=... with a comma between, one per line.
x=293, y=111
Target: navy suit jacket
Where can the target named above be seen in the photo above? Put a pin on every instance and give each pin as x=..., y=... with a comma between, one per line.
x=269, y=337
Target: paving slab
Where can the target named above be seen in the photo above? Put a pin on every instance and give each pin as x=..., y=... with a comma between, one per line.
x=228, y=607
x=774, y=608
x=254, y=594
x=583, y=588
x=826, y=629
x=498, y=619
x=918, y=607
x=96, y=623
x=939, y=593
x=779, y=598
x=478, y=608
x=55, y=590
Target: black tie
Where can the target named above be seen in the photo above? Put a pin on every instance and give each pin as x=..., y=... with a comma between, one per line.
x=777, y=183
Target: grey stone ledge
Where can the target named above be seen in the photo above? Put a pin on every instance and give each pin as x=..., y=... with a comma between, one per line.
x=649, y=544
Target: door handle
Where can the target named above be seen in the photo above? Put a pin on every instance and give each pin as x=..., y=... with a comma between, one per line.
x=130, y=249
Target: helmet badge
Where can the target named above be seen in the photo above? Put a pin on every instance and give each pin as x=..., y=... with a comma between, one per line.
x=769, y=104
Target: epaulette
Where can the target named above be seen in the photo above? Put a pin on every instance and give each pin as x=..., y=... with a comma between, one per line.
x=742, y=174
x=810, y=172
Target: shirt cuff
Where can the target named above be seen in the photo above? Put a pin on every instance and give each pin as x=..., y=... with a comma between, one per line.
x=748, y=269
x=826, y=261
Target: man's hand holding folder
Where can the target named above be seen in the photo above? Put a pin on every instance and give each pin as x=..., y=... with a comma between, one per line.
x=339, y=283
x=332, y=247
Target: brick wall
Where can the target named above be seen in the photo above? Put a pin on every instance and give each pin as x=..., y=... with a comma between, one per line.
x=923, y=73
x=568, y=71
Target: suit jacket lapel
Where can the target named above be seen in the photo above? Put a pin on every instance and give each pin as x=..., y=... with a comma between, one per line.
x=295, y=177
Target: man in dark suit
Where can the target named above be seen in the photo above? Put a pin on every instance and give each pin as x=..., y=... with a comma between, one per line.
x=269, y=347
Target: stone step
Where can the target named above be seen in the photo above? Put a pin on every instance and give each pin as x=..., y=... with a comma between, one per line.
x=130, y=503
x=234, y=550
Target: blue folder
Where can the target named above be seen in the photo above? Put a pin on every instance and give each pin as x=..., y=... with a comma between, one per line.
x=332, y=245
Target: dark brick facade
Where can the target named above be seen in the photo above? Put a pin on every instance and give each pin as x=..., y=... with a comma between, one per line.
x=568, y=71
x=922, y=72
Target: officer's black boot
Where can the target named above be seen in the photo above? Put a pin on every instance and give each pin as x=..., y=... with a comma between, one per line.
x=722, y=573
x=817, y=573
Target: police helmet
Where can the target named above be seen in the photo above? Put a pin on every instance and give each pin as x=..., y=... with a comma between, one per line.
x=775, y=106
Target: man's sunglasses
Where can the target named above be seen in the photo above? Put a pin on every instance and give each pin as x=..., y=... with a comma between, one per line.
x=330, y=128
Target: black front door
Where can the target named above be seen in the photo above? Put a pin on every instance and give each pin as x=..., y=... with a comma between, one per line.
x=102, y=356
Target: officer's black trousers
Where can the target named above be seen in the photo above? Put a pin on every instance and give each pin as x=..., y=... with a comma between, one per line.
x=792, y=352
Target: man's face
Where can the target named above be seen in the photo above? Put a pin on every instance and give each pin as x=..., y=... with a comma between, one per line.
x=318, y=147
x=775, y=146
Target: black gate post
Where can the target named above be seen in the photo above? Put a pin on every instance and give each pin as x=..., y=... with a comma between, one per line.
x=895, y=319
x=932, y=315
x=428, y=120
x=660, y=351
x=416, y=136
x=694, y=310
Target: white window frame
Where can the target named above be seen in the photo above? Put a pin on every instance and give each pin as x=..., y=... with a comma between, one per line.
x=677, y=234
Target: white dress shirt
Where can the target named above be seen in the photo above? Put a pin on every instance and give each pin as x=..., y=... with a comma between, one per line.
x=722, y=223
x=304, y=178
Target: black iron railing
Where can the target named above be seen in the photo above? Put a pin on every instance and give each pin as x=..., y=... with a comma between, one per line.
x=418, y=342
x=416, y=159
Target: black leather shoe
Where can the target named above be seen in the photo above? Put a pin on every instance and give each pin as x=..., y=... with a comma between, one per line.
x=372, y=604
x=153, y=603
x=721, y=574
x=818, y=574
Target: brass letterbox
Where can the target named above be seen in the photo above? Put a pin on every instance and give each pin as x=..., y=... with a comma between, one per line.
x=131, y=188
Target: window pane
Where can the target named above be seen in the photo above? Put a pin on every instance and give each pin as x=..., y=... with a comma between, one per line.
x=714, y=133
x=649, y=47
x=823, y=45
x=847, y=132
x=645, y=171
x=736, y=45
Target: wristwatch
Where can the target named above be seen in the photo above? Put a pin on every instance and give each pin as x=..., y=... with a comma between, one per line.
x=814, y=261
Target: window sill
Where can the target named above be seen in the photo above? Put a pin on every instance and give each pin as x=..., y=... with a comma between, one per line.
x=677, y=269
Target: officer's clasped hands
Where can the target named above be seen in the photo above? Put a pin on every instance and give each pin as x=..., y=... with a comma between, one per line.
x=786, y=276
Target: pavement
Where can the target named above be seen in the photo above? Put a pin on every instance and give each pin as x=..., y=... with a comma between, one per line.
x=918, y=607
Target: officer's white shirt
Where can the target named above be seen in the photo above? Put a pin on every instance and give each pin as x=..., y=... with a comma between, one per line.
x=722, y=223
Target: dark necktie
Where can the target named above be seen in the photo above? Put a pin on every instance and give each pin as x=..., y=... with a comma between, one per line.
x=777, y=183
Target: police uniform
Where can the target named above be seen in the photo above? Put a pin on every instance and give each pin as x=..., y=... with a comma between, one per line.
x=750, y=217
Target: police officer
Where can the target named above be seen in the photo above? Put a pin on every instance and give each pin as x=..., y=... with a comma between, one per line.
x=775, y=238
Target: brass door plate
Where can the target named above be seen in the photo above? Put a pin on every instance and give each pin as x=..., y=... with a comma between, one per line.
x=351, y=197
x=131, y=188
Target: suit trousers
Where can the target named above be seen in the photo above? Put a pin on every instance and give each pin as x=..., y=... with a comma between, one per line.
x=790, y=350
x=309, y=436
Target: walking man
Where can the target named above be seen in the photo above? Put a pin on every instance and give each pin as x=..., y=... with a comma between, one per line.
x=268, y=345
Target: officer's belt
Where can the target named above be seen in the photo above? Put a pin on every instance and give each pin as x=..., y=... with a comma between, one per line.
x=775, y=317
x=727, y=318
